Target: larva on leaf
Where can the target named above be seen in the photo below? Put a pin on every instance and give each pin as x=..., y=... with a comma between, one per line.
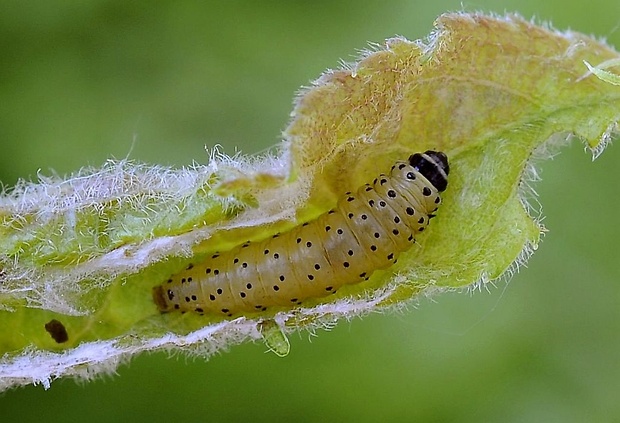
x=365, y=232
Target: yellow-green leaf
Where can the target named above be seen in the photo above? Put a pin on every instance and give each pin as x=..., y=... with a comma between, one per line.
x=79, y=256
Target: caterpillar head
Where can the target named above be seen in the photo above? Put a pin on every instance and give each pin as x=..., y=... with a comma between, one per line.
x=433, y=165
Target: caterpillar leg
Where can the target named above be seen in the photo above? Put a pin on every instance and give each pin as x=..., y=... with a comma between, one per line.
x=160, y=299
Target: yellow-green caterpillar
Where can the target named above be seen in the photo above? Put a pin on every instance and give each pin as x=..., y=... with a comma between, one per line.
x=365, y=232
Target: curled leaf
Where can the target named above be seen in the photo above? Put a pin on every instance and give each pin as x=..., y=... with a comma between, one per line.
x=80, y=256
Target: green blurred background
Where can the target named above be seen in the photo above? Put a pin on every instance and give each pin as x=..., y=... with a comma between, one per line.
x=81, y=82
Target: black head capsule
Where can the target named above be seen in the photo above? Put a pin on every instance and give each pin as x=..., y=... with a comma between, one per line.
x=434, y=166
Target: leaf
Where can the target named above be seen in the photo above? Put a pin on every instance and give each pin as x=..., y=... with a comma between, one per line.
x=79, y=257
x=601, y=73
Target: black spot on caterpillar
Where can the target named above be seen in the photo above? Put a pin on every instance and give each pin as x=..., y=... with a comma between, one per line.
x=57, y=330
x=365, y=232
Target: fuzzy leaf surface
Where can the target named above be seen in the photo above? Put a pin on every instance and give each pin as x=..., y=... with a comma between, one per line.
x=493, y=93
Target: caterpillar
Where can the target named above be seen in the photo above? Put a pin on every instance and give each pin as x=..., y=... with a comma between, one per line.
x=366, y=231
